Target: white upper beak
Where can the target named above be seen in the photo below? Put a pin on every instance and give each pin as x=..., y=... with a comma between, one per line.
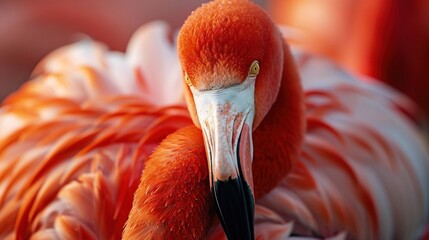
x=226, y=118
x=223, y=115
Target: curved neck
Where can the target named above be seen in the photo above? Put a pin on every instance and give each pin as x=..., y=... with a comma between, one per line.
x=277, y=140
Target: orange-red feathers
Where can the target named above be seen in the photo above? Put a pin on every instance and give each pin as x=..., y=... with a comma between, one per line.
x=278, y=138
x=218, y=43
x=173, y=198
x=222, y=39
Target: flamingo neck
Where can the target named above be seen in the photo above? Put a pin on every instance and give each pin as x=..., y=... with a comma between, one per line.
x=277, y=140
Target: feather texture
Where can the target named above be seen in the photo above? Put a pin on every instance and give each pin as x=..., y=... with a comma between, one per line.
x=75, y=140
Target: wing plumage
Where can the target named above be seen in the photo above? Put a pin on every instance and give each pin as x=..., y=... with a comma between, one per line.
x=364, y=164
x=74, y=141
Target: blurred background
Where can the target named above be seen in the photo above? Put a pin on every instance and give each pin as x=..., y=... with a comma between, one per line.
x=384, y=39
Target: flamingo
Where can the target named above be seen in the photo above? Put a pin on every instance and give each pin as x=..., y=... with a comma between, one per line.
x=277, y=142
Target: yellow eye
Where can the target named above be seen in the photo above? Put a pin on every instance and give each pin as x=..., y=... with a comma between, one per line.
x=187, y=79
x=254, y=69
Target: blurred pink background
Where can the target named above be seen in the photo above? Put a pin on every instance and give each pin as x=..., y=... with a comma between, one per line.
x=31, y=29
x=386, y=39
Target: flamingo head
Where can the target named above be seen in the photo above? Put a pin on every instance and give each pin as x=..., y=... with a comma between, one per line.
x=232, y=59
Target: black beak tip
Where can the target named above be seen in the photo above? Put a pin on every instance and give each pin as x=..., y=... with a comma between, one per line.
x=235, y=207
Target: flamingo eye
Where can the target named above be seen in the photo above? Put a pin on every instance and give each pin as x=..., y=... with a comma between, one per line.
x=254, y=69
x=188, y=80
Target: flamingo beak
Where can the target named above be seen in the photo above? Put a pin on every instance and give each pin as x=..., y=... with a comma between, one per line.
x=226, y=118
